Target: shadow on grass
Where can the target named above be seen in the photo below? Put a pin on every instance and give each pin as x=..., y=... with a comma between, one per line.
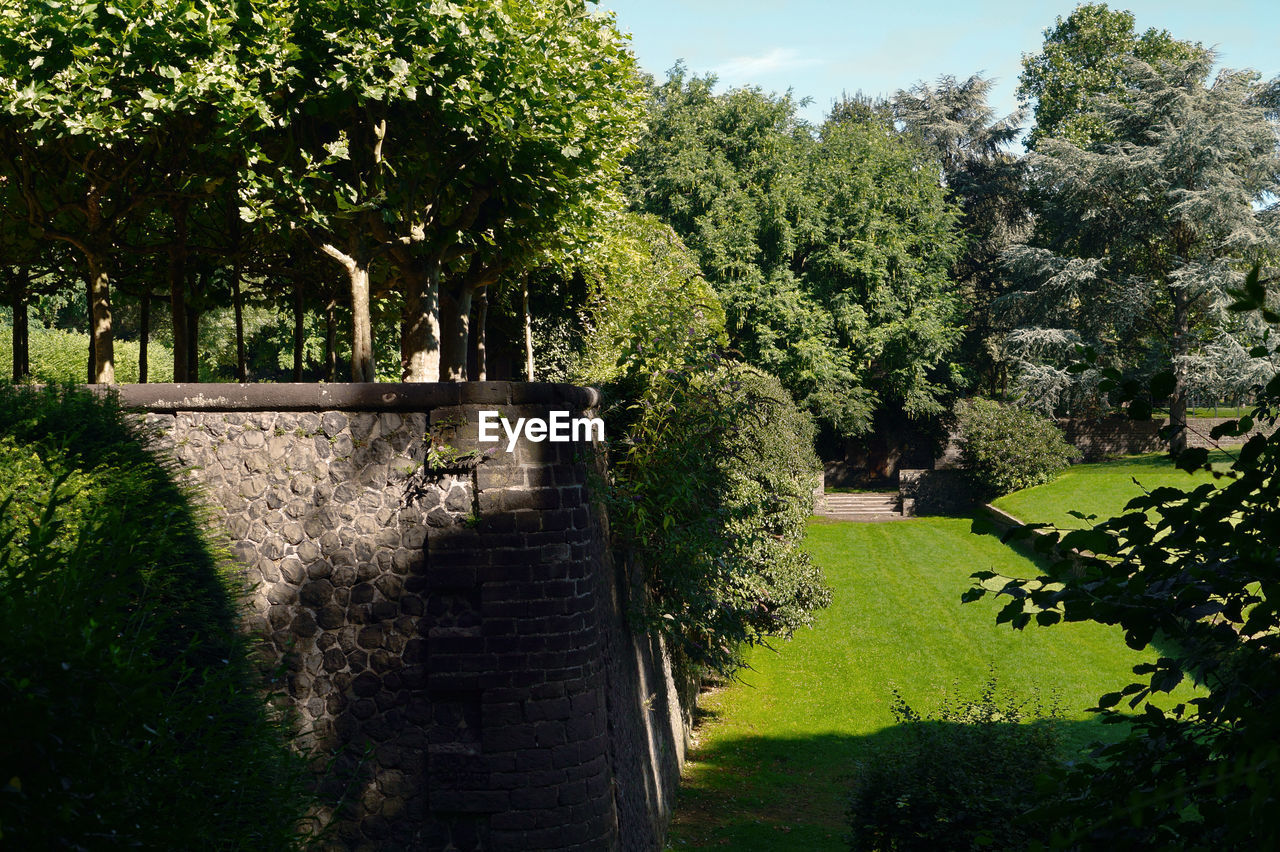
x=777, y=794
x=122, y=667
x=1163, y=645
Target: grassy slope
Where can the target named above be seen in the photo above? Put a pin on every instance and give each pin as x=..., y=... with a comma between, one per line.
x=1102, y=489
x=770, y=770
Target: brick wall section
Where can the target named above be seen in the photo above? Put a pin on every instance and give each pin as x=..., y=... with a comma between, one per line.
x=452, y=627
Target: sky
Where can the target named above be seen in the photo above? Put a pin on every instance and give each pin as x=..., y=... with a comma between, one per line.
x=821, y=49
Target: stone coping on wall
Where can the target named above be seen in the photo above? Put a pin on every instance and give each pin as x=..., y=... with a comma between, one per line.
x=372, y=397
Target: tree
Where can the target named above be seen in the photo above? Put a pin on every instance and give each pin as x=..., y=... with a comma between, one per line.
x=1146, y=231
x=725, y=172
x=880, y=258
x=100, y=104
x=461, y=145
x=648, y=308
x=1086, y=56
x=989, y=183
x=828, y=250
x=1194, y=574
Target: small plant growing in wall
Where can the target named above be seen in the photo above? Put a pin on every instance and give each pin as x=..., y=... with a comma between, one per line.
x=442, y=457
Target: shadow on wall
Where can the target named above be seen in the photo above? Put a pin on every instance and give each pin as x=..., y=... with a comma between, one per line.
x=453, y=627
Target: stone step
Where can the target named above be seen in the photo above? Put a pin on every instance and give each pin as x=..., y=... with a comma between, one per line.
x=865, y=507
x=862, y=495
x=860, y=500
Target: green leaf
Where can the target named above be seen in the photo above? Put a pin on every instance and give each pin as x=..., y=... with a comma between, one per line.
x=1192, y=459
x=1140, y=410
x=1163, y=384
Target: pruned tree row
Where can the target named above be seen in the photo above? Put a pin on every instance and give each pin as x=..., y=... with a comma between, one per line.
x=304, y=157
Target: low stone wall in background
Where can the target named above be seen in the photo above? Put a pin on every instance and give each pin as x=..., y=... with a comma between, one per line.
x=1107, y=437
x=935, y=492
x=451, y=621
x=1103, y=438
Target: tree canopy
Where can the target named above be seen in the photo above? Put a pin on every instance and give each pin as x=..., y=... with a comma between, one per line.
x=989, y=183
x=1085, y=56
x=109, y=108
x=829, y=248
x=428, y=149
x=1146, y=231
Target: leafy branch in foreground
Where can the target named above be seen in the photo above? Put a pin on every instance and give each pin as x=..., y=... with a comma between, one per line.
x=1196, y=574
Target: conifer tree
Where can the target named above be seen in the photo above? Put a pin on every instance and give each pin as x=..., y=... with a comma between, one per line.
x=1146, y=229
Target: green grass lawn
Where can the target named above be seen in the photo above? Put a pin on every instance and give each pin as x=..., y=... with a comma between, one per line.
x=1101, y=489
x=774, y=754
x=1220, y=411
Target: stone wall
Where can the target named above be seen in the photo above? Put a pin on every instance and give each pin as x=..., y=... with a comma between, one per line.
x=452, y=625
x=935, y=492
x=1106, y=437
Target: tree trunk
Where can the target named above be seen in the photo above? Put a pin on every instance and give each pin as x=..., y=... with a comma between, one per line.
x=482, y=319
x=24, y=317
x=455, y=322
x=362, y=367
x=91, y=369
x=182, y=370
x=18, y=300
x=330, y=342
x=193, y=344
x=237, y=304
x=528, y=330
x=104, y=355
x=420, y=322
x=298, y=320
x=1181, y=342
x=144, y=335
x=357, y=266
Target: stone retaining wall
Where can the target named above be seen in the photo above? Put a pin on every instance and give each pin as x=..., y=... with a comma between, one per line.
x=1118, y=436
x=935, y=492
x=452, y=625
x=1106, y=437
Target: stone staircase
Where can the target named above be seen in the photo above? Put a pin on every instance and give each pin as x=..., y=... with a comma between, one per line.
x=866, y=506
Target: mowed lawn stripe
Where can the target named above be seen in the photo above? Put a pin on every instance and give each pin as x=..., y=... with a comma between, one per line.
x=1104, y=488
x=772, y=765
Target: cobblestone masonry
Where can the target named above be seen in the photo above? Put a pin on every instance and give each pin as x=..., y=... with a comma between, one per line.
x=452, y=628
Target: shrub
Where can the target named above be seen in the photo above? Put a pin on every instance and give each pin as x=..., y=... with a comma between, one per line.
x=649, y=304
x=1006, y=448
x=134, y=713
x=712, y=487
x=958, y=779
x=62, y=357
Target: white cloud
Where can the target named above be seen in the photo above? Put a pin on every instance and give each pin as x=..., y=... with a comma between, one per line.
x=751, y=67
